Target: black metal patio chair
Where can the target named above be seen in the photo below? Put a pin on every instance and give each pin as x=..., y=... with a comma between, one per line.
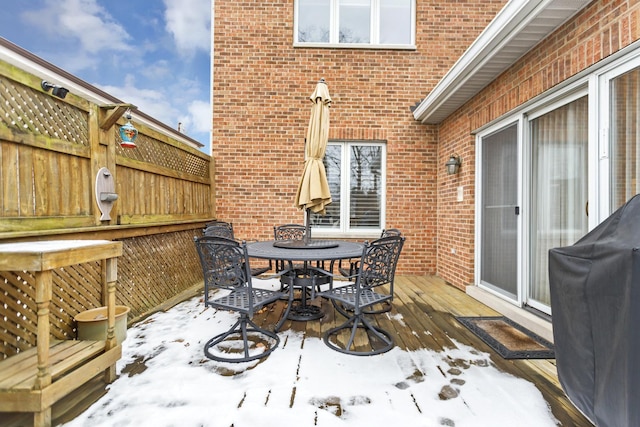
x=228, y=286
x=353, y=269
x=302, y=311
x=219, y=229
x=225, y=229
x=288, y=232
x=353, y=264
x=292, y=232
x=373, y=285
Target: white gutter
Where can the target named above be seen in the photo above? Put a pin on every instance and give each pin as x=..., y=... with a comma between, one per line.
x=507, y=25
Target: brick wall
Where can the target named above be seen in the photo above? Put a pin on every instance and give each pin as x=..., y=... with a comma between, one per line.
x=261, y=110
x=599, y=30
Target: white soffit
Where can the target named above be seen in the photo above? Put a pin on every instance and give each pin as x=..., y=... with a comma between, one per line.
x=517, y=28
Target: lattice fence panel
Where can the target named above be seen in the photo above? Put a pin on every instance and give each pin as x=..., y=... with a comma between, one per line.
x=155, y=268
x=84, y=293
x=74, y=289
x=152, y=270
x=150, y=150
x=31, y=111
x=18, y=310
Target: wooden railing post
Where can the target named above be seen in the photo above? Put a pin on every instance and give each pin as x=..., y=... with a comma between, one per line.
x=43, y=299
x=109, y=278
x=43, y=379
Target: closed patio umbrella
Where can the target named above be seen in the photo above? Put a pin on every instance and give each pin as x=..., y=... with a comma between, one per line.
x=313, y=193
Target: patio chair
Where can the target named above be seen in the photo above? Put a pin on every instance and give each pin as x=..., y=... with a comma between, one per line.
x=373, y=285
x=302, y=311
x=225, y=229
x=219, y=222
x=353, y=264
x=288, y=232
x=219, y=229
x=353, y=269
x=228, y=286
x=291, y=232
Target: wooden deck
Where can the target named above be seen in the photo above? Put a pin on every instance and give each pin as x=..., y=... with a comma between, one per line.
x=428, y=303
x=425, y=303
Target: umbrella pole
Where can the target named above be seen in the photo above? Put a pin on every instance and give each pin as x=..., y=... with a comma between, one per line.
x=307, y=226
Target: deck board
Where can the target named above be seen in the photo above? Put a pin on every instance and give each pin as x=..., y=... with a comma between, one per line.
x=422, y=317
x=427, y=306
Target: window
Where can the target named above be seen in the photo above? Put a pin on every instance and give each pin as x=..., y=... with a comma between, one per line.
x=356, y=175
x=355, y=23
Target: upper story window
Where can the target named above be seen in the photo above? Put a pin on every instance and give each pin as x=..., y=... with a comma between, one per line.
x=355, y=23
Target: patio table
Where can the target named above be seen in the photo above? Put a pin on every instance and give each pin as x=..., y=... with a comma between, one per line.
x=315, y=251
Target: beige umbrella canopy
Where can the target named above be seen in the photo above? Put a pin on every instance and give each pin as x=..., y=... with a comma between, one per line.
x=313, y=193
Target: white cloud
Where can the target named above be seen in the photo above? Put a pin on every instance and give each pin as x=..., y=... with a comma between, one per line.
x=150, y=101
x=83, y=20
x=199, y=118
x=157, y=69
x=189, y=21
x=194, y=116
x=152, y=65
x=79, y=61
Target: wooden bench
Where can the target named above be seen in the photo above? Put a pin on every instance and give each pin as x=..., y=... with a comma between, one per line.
x=33, y=380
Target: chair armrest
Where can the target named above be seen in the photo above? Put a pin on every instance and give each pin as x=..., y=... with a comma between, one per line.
x=281, y=272
x=353, y=267
x=322, y=271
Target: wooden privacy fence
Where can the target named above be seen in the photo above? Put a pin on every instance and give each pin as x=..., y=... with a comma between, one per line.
x=51, y=151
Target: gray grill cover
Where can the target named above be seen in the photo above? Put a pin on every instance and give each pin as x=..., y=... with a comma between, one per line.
x=595, y=301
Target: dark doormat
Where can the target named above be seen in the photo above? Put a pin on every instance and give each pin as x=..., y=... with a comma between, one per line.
x=508, y=339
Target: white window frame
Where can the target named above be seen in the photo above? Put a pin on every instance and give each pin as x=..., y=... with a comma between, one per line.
x=375, y=29
x=345, y=231
x=603, y=82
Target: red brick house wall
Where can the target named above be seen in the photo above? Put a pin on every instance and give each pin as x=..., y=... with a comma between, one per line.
x=597, y=31
x=261, y=85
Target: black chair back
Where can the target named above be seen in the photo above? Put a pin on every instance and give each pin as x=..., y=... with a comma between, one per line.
x=289, y=232
x=378, y=263
x=220, y=230
x=224, y=264
x=218, y=222
x=391, y=232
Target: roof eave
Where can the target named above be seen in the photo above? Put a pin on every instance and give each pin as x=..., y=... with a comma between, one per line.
x=494, y=51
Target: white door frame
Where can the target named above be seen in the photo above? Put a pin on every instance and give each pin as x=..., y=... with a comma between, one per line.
x=478, y=214
x=602, y=83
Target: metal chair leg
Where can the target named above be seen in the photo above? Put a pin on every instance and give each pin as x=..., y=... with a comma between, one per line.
x=244, y=327
x=354, y=323
x=385, y=307
x=285, y=315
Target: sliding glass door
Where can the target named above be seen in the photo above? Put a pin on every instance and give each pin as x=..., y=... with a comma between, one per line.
x=499, y=210
x=515, y=237
x=624, y=119
x=555, y=171
x=559, y=190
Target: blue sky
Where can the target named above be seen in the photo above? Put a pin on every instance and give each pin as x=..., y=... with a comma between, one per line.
x=154, y=54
